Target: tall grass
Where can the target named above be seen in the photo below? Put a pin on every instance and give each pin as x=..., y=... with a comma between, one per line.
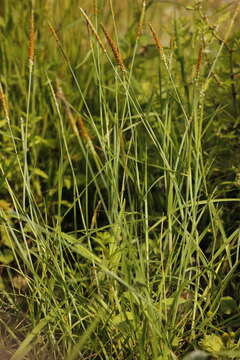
x=119, y=195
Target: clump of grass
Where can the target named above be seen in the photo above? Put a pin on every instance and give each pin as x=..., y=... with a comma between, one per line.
x=116, y=235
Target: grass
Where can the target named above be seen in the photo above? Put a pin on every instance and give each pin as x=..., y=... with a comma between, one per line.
x=119, y=192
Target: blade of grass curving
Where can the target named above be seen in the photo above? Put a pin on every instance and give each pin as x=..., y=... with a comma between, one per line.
x=25, y=346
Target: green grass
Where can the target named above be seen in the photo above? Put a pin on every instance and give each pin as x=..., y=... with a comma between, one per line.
x=119, y=190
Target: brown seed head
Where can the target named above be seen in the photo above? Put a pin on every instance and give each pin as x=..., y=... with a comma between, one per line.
x=90, y=25
x=31, y=48
x=53, y=32
x=55, y=35
x=157, y=40
x=84, y=130
x=199, y=61
x=115, y=49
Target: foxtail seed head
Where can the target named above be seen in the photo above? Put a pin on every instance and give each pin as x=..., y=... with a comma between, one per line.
x=115, y=49
x=90, y=25
x=199, y=61
x=83, y=130
x=31, y=48
x=157, y=41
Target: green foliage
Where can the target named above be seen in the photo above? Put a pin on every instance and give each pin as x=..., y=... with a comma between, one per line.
x=119, y=190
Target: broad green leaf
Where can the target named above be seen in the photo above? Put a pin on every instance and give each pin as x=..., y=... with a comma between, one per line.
x=6, y=257
x=40, y=173
x=126, y=316
x=230, y=354
x=74, y=353
x=2, y=122
x=197, y=355
x=68, y=182
x=4, y=237
x=80, y=249
x=1, y=283
x=5, y=205
x=228, y=305
x=25, y=346
x=212, y=343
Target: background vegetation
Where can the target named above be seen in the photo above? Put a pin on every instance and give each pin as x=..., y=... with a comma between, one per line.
x=119, y=180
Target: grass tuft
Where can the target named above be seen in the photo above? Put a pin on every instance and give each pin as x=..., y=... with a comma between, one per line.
x=119, y=184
